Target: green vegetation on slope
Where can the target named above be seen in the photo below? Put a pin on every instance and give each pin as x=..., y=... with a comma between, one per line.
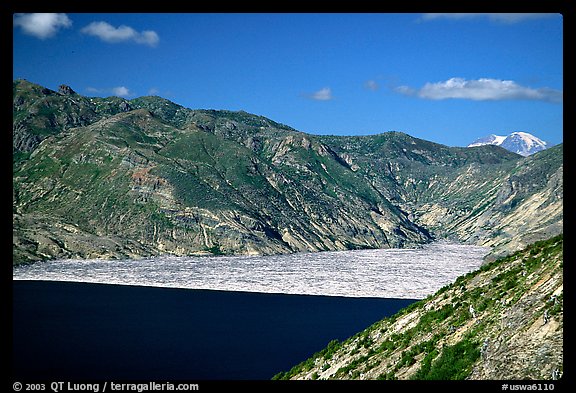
x=465, y=329
x=161, y=178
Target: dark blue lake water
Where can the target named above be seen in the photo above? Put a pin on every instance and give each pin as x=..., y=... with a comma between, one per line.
x=72, y=331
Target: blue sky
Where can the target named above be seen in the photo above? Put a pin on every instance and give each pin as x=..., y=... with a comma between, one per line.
x=447, y=78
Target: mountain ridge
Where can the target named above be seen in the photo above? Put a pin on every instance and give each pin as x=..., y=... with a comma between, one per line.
x=116, y=178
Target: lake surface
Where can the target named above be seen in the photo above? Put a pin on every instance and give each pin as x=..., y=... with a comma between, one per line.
x=211, y=318
x=70, y=331
x=385, y=273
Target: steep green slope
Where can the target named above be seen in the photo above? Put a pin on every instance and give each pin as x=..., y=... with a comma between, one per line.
x=39, y=112
x=507, y=209
x=134, y=181
x=503, y=321
x=108, y=177
x=482, y=195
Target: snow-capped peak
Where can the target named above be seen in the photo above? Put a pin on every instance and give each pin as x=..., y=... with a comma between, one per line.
x=528, y=139
x=518, y=142
x=492, y=139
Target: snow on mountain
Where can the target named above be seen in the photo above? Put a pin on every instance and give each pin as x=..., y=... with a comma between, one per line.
x=488, y=140
x=518, y=142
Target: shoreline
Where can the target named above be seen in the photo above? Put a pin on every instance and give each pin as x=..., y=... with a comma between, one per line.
x=128, y=285
x=384, y=273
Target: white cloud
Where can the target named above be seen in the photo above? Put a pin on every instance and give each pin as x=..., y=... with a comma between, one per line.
x=324, y=94
x=494, y=17
x=42, y=25
x=483, y=89
x=372, y=85
x=408, y=91
x=95, y=90
x=121, y=91
x=108, y=33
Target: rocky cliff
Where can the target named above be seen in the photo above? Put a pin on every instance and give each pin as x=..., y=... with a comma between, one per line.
x=113, y=178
